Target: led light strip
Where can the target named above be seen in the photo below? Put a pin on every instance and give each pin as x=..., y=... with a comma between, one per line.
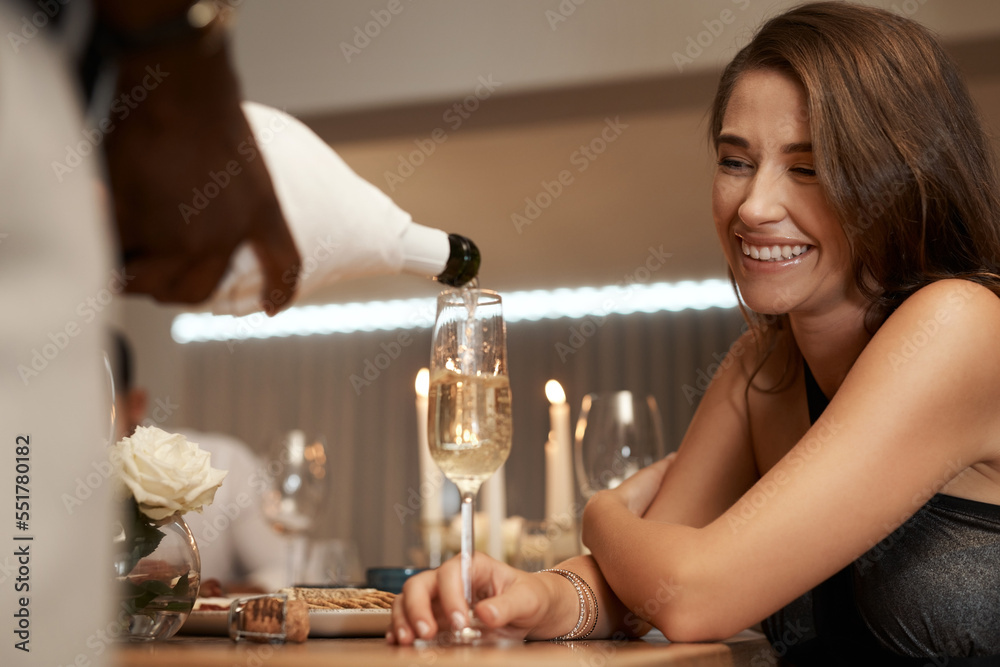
x=419, y=313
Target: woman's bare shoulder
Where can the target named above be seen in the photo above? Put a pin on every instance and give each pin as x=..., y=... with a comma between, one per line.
x=961, y=312
x=951, y=294
x=938, y=354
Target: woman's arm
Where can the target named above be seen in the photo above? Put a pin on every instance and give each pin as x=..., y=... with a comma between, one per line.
x=917, y=407
x=541, y=605
x=718, y=467
x=715, y=462
x=613, y=618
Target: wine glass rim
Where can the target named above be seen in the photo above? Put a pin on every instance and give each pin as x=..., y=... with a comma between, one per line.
x=635, y=395
x=613, y=397
x=456, y=294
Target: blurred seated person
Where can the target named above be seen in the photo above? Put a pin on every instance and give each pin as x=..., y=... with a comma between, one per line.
x=236, y=543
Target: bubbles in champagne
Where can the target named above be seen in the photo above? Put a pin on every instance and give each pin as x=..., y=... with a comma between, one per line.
x=470, y=421
x=470, y=347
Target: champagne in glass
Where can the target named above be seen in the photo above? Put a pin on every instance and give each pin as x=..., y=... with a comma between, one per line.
x=472, y=426
x=469, y=419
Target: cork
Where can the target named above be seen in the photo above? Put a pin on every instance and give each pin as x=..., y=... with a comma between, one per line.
x=265, y=615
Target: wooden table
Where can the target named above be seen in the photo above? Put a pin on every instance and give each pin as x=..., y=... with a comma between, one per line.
x=747, y=648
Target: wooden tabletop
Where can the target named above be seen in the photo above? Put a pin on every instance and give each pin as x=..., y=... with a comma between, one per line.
x=747, y=648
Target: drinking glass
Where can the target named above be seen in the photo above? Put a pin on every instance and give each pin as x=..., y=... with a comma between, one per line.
x=534, y=545
x=112, y=405
x=341, y=562
x=469, y=414
x=297, y=490
x=617, y=435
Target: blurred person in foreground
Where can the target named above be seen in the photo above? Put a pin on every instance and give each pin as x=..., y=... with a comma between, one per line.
x=840, y=480
x=59, y=274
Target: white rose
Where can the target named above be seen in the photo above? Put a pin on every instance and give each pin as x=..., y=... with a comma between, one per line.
x=165, y=473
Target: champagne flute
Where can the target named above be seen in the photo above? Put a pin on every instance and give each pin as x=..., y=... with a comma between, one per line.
x=616, y=436
x=296, y=492
x=469, y=420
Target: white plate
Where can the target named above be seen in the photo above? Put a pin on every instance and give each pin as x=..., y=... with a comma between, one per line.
x=349, y=622
x=322, y=623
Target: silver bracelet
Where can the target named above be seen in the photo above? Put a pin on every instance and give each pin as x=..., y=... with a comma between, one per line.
x=591, y=623
x=587, y=622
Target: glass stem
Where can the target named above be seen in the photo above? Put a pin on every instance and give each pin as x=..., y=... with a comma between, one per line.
x=468, y=543
x=297, y=548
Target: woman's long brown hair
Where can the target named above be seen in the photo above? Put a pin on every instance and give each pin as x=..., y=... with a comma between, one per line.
x=899, y=147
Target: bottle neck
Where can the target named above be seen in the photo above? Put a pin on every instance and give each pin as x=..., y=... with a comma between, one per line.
x=463, y=261
x=451, y=259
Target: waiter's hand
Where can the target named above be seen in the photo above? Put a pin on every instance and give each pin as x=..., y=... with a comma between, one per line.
x=187, y=178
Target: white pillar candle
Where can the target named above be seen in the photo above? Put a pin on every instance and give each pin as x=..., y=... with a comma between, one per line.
x=559, y=494
x=494, y=494
x=431, y=478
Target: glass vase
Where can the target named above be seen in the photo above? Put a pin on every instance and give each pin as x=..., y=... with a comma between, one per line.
x=158, y=572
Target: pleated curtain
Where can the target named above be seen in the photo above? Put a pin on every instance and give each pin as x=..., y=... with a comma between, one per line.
x=357, y=390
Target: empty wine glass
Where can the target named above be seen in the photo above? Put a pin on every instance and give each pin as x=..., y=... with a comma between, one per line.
x=469, y=414
x=616, y=436
x=296, y=492
x=341, y=562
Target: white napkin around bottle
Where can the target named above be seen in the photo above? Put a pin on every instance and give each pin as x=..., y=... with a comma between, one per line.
x=343, y=226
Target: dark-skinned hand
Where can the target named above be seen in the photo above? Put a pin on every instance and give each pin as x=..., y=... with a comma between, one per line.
x=175, y=244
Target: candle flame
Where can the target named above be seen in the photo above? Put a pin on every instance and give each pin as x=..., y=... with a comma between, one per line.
x=554, y=392
x=423, y=382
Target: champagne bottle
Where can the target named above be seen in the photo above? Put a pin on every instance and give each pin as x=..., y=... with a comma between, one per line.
x=451, y=258
x=343, y=226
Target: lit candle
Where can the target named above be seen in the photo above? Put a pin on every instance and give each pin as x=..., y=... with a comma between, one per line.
x=431, y=479
x=559, y=493
x=495, y=508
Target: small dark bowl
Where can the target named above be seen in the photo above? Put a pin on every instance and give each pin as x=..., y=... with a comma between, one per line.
x=390, y=578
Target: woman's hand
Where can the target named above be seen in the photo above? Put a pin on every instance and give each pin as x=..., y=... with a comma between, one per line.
x=521, y=603
x=637, y=492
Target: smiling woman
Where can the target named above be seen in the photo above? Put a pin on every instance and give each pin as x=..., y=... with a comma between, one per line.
x=899, y=147
x=840, y=479
x=781, y=237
